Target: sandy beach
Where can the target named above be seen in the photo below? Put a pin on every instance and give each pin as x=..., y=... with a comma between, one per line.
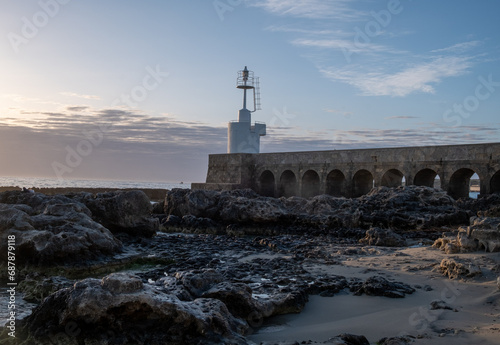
x=475, y=303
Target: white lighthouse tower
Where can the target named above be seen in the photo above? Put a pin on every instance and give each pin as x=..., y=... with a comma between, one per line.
x=243, y=137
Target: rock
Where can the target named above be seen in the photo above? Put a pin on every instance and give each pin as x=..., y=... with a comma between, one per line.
x=453, y=269
x=410, y=207
x=238, y=299
x=394, y=341
x=130, y=314
x=351, y=339
x=118, y=283
x=482, y=234
x=262, y=210
x=379, y=286
x=293, y=302
x=383, y=238
x=438, y=304
x=122, y=211
x=197, y=282
x=62, y=234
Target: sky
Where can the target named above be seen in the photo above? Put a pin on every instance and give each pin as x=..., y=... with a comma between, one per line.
x=143, y=90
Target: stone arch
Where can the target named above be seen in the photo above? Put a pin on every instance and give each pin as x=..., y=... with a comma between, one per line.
x=392, y=178
x=427, y=177
x=459, y=185
x=362, y=183
x=266, y=183
x=335, y=183
x=288, y=184
x=495, y=183
x=310, y=184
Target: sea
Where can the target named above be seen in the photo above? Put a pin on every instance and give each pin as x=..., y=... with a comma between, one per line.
x=42, y=182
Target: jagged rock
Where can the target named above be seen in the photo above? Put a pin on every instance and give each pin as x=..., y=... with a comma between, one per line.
x=197, y=282
x=379, y=286
x=394, y=341
x=438, y=304
x=290, y=303
x=238, y=299
x=410, y=207
x=453, y=269
x=383, y=238
x=116, y=309
x=62, y=234
x=118, y=283
x=351, y=339
x=482, y=234
x=122, y=211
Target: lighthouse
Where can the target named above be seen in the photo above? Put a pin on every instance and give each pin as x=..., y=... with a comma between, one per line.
x=242, y=136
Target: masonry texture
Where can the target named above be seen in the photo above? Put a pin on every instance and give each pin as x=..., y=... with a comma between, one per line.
x=352, y=173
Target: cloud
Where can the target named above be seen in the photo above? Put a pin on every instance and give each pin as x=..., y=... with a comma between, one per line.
x=458, y=48
x=77, y=108
x=401, y=117
x=121, y=144
x=77, y=95
x=417, y=78
x=348, y=46
x=124, y=144
x=313, y=9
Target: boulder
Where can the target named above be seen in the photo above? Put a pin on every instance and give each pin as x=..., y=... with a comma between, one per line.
x=379, y=286
x=382, y=238
x=119, y=309
x=62, y=234
x=122, y=211
x=394, y=341
x=455, y=269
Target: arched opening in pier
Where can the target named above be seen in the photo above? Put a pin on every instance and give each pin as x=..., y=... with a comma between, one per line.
x=288, y=184
x=335, y=183
x=362, y=183
x=266, y=182
x=428, y=178
x=460, y=183
x=392, y=178
x=310, y=184
x=495, y=183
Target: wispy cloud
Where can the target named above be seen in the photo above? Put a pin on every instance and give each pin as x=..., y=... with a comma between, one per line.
x=314, y=9
x=347, y=46
x=401, y=117
x=458, y=48
x=77, y=95
x=417, y=78
x=371, y=61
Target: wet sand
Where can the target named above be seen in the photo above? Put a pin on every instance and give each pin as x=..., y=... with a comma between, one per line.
x=475, y=318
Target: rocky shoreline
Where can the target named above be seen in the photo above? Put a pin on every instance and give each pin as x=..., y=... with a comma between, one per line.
x=207, y=267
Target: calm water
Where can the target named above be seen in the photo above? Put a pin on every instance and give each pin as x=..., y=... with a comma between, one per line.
x=38, y=182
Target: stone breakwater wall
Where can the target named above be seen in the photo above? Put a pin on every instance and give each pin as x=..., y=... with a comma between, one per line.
x=352, y=173
x=152, y=194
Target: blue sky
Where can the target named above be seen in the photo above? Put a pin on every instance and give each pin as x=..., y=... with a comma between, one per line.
x=143, y=90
